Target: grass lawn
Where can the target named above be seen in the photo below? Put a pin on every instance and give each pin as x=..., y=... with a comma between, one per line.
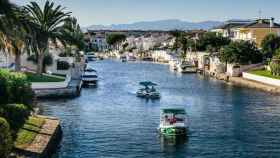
x=264, y=73
x=29, y=131
x=43, y=78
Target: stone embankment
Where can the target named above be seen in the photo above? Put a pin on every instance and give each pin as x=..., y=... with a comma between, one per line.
x=239, y=81
x=45, y=142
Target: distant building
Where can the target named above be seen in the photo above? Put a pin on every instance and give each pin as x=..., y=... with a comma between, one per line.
x=255, y=30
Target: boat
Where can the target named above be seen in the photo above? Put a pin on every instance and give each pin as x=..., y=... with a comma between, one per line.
x=186, y=68
x=173, y=122
x=149, y=91
x=91, y=57
x=131, y=58
x=123, y=59
x=89, y=76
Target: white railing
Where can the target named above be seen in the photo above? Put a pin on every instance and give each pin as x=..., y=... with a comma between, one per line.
x=51, y=85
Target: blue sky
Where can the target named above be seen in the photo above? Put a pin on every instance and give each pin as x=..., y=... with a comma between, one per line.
x=107, y=12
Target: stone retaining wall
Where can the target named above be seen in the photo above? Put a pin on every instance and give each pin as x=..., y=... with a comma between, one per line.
x=46, y=141
x=261, y=79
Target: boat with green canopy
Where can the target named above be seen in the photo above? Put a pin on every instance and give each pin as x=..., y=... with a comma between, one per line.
x=149, y=91
x=173, y=122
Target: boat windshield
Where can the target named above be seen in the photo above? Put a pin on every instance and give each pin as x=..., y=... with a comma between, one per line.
x=172, y=116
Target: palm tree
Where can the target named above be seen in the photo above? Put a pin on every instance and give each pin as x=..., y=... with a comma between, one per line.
x=13, y=36
x=46, y=24
x=72, y=35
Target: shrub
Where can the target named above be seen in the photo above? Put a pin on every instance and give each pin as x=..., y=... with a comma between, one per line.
x=242, y=52
x=275, y=69
x=63, y=65
x=6, y=143
x=14, y=88
x=48, y=60
x=16, y=114
x=4, y=86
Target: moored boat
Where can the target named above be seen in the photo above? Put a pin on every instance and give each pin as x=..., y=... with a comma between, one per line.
x=173, y=122
x=89, y=77
x=186, y=68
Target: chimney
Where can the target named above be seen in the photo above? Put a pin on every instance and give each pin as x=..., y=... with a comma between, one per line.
x=271, y=22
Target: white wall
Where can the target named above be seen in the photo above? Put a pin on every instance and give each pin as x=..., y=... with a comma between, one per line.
x=261, y=79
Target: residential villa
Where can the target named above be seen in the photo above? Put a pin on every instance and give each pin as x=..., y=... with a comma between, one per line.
x=255, y=30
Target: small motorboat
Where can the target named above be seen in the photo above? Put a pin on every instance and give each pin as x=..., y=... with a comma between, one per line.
x=123, y=59
x=173, y=122
x=89, y=76
x=187, y=68
x=149, y=91
x=91, y=57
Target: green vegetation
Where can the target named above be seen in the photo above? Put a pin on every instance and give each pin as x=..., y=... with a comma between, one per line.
x=115, y=39
x=14, y=88
x=211, y=42
x=29, y=131
x=15, y=114
x=6, y=143
x=31, y=77
x=264, y=73
x=242, y=52
x=47, y=61
x=270, y=44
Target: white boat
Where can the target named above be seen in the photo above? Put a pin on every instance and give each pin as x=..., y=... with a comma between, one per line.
x=149, y=91
x=186, y=68
x=173, y=122
x=90, y=76
x=91, y=57
x=123, y=59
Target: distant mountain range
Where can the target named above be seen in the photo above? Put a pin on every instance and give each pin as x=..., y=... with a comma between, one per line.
x=164, y=25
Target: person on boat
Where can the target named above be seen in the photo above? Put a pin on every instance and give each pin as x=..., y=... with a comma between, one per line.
x=167, y=119
x=173, y=120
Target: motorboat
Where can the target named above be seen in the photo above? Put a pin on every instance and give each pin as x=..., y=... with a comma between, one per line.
x=173, y=122
x=91, y=57
x=149, y=91
x=90, y=76
x=186, y=68
x=131, y=58
x=123, y=59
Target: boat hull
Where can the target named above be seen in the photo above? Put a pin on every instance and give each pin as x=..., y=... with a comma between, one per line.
x=173, y=131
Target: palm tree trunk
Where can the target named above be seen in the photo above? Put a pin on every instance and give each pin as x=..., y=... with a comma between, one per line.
x=17, y=61
x=40, y=63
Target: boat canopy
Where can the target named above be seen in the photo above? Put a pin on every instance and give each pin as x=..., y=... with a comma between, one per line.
x=147, y=83
x=173, y=111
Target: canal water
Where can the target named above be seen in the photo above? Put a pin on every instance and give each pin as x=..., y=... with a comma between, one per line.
x=110, y=121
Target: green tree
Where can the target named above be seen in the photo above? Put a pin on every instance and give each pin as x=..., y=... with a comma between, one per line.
x=211, y=42
x=6, y=143
x=185, y=45
x=242, y=52
x=176, y=34
x=115, y=39
x=14, y=36
x=72, y=34
x=270, y=44
x=47, y=24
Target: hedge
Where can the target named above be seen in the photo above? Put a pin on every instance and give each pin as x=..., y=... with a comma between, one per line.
x=6, y=143
x=63, y=65
x=15, y=114
x=14, y=88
